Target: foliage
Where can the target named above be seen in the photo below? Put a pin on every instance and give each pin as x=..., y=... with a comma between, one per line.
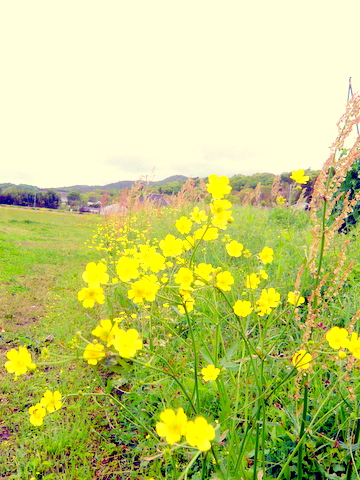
x=349, y=189
x=29, y=198
x=183, y=331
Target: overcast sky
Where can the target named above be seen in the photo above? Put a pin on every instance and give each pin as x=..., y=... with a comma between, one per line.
x=94, y=92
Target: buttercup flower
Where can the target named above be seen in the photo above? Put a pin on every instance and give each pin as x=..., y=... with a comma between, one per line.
x=151, y=259
x=353, y=345
x=263, y=274
x=252, y=281
x=89, y=296
x=234, y=248
x=51, y=401
x=266, y=255
x=184, y=277
x=210, y=373
x=19, y=362
x=199, y=433
x=337, y=338
x=183, y=225
x=224, y=280
x=144, y=289
x=106, y=331
x=172, y=425
x=94, y=353
x=203, y=273
x=198, y=216
x=218, y=186
x=242, y=308
x=37, y=413
x=299, y=176
x=206, y=233
x=268, y=300
x=280, y=200
x=95, y=274
x=127, y=268
x=301, y=360
x=171, y=246
x=295, y=299
x=127, y=342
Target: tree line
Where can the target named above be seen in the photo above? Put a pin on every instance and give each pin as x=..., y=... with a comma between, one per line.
x=30, y=198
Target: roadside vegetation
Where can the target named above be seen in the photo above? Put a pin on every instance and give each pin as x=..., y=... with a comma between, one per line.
x=203, y=340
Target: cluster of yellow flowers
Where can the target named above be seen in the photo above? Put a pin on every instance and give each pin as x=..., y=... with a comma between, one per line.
x=173, y=426
x=125, y=342
x=338, y=339
x=50, y=402
x=94, y=275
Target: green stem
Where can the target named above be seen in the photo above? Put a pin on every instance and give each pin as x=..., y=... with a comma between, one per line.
x=195, y=353
x=302, y=429
x=356, y=439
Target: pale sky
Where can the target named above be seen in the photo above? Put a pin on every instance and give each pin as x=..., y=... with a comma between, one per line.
x=94, y=92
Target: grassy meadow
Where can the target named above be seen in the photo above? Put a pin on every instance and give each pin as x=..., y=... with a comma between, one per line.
x=213, y=359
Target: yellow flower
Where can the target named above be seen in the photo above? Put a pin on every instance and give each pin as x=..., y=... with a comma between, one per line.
x=171, y=246
x=221, y=214
x=19, y=362
x=247, y=253
x=95, y=274
x=280, y=200
x=146, y=288
x=299, y=176
x=337, y=338
x=91, y=295
x=295, y=299
x=184, y=277
x=199, y=433
x=234, y=248
x=242, y=308
x=224, y=280
x=172, y=425
x=106, y=331
x=301, y=360
x=151, y=259
x=37, y=413
x=252, y=281
x=206, y=233
x=93, y=353
x=183, y=225
x=127, y=342
x=51, y=401
x=266, y=255
x=127, y=268
x=198, y=216
x=188, y=304
x=263, y=274
x=203, y=273
x=210, y=373
x=353, y=345
x=269, y=299
x=218, y=186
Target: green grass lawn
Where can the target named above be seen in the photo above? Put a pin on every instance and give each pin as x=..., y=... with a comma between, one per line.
x=42, y=255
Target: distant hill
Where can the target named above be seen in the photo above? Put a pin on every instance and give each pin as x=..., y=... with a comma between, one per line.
x=118, y=185
x=22, y=186
x=90, y=188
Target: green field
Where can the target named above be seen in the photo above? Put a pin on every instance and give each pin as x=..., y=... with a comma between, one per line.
x=272, y=418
